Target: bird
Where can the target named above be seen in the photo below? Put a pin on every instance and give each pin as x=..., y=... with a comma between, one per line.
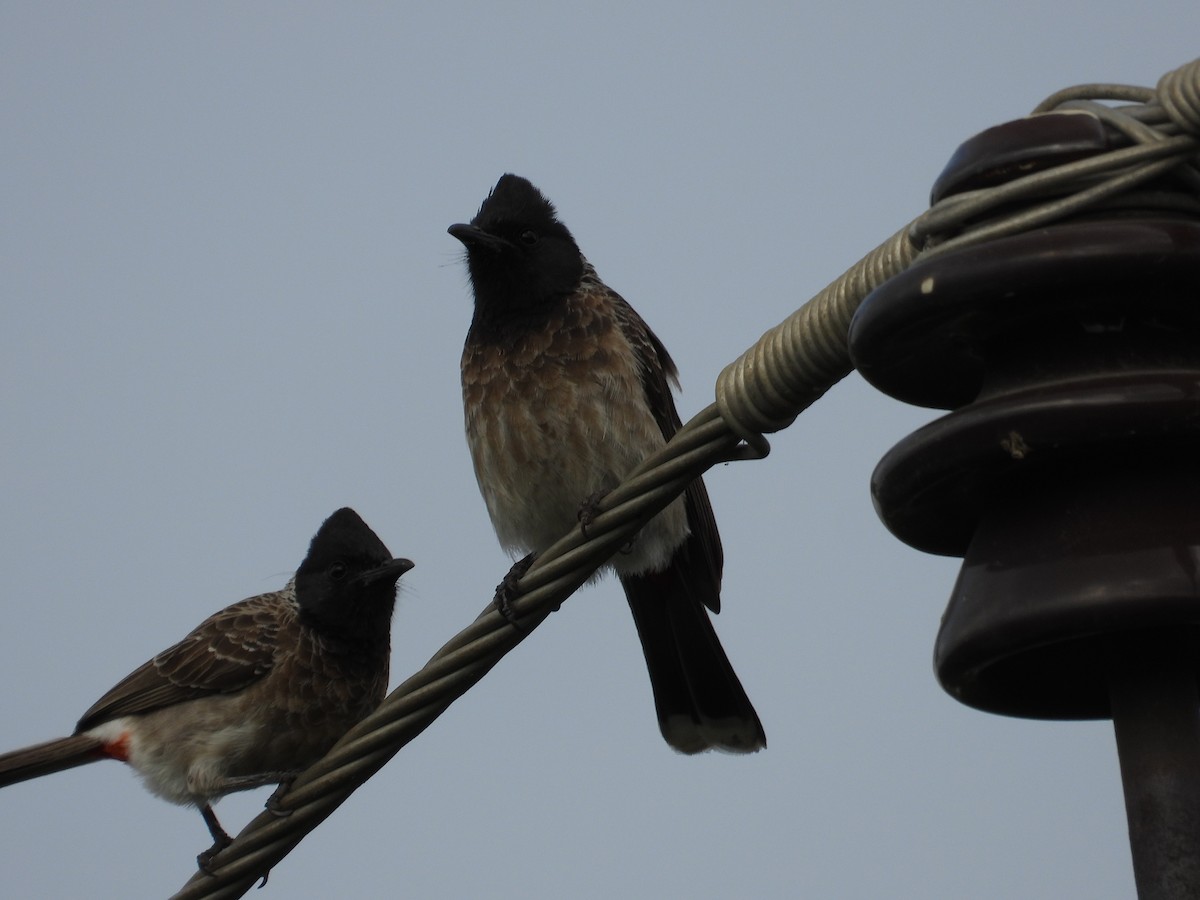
x=254, y=694
x=566, y=390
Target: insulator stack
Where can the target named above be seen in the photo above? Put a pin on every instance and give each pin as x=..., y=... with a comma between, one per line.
x=1067, y=474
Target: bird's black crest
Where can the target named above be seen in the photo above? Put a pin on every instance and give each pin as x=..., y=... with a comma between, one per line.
x=345, y=535
x=346, y=586
x=515, y=201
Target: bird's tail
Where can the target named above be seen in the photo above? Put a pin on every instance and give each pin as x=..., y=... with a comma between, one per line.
x=701, y=703
x=51, y=756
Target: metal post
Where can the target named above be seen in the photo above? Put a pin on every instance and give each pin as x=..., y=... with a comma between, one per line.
x=1156, y=717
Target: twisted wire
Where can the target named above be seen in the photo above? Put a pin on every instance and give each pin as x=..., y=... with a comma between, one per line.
x=1178, y=93
x=798, y=360
x=761, y=392
x=794, y=363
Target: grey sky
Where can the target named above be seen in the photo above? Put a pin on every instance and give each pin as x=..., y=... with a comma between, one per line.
x=230, y=306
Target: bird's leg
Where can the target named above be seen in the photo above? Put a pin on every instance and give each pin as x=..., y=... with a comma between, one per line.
x=221, y=839
x=249, y=782
x=273, y=806
x=508, y=587
x=588, y=510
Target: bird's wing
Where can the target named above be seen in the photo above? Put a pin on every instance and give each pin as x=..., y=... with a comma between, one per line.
x=658, y=372
x=226, y=652
x=655, y=366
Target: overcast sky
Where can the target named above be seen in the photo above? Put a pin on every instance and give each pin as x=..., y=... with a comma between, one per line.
x=230, y=306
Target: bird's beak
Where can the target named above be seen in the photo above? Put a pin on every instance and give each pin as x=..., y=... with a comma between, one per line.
x=389, y=572
x=472, y=236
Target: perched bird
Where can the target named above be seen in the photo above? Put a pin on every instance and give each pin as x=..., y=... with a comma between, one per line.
x=257, y=692
x=565, y=391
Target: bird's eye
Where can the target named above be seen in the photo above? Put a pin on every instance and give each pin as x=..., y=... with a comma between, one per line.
x=338, y=571
x=529, y=238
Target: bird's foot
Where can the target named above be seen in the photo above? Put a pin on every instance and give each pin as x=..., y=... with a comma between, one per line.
x=204, y=860
x=588, y=510
x=507, y=589
x=273, y=806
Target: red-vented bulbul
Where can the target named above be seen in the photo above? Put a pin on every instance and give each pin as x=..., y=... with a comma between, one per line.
x=257, y=692
x=565, y=391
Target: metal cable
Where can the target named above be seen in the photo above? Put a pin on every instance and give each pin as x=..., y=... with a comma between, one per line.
x=761, y=392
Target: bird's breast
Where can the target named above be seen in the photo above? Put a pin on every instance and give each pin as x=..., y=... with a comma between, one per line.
x=554, y=415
